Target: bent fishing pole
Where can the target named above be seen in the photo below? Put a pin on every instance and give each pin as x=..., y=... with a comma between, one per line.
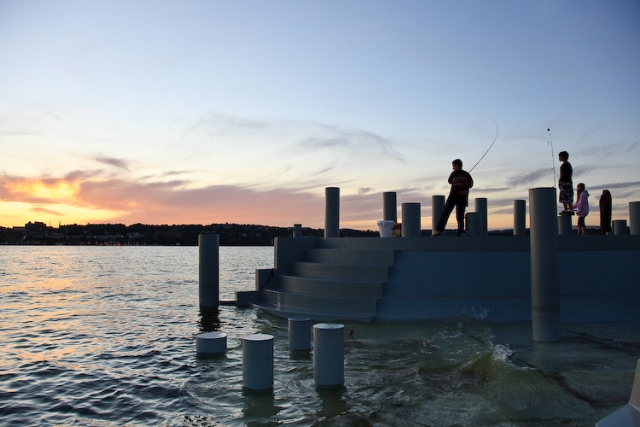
x=485, y=153
x=553, y=159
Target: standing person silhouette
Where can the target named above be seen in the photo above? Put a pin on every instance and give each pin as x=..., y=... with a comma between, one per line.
x=461, y=182
x=565, y=183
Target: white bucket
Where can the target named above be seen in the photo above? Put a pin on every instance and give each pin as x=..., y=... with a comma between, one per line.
x=386, y=228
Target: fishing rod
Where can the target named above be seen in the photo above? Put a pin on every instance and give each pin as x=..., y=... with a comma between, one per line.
x=485, y=153
x=553, y=159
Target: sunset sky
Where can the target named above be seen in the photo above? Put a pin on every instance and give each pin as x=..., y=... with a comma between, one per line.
x=199, y=112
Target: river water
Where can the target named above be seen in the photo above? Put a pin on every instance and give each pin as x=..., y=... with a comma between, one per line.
x=105, y=336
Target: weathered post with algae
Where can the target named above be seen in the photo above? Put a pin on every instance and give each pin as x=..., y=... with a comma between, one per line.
x=209, y=271
x=332, y=212
x=545, y=284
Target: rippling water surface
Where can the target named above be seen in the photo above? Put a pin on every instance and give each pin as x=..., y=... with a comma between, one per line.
x=105, y=336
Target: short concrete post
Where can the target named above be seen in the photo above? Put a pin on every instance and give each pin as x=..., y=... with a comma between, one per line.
x=209, y=271
x=328, y=354
x=437, y=206
x=297, y=230
x=519, y=217
x=620, y=227
x=634, y=217
x=411, y=225
x=481, y=209
x=211, y=343
x=257, y=362
x=332, y=212
x=474, y=227
x=545, y=283
x=299, y=334
x=390, y=206
x=564, y=225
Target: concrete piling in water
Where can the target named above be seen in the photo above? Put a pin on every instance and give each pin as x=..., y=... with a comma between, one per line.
x=634, y=218
x=332, y=212
x=481, y=209
x=620, y=227
x=209, y=271
x=389, y=206
x=565, y=227
x=299, y=334
x=411, y=223
x=257, y=362
x=328, y=354
x=545, y=284
x=211, y=343
x=437, y=206
x=519, y=217
x=474, y=228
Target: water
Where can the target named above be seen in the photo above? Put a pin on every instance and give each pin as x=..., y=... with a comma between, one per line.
x=105, y=336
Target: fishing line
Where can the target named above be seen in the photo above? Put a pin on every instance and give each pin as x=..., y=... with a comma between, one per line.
x=485, y=153
x=553, y=159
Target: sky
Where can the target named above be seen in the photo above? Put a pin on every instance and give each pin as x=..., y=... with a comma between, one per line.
x=201, y=112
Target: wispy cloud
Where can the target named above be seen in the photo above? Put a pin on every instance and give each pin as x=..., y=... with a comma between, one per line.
x=111, y=161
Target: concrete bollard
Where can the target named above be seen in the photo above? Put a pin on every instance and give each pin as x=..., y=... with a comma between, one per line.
x=328, y=354
x=474, y=227
x=481, y=209
x=209, y=271
x=545, y=283
x=332, y=212
x=519, y=217
x=620, y=227
x=634, y=217
x=299, y=334
x=389, y=206
x=565, y=228
x=297, y=231
x=411, y=226
x=437, y=206
x=257, y=362
x=211, y=343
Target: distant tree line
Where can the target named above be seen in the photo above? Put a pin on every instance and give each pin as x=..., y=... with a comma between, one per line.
x=146, y=234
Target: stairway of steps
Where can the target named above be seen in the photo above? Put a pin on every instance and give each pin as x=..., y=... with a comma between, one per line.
x=331, y=284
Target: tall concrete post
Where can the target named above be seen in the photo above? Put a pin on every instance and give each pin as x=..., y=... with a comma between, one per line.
x=474, y=227
x=437, y=206
x=332, y=212
x=390, y=206
x=545, y=284
x=209, y=271
x=519, y=217
x=481, y=209
x=565, y=228
x=634, y=217
x=411, y=223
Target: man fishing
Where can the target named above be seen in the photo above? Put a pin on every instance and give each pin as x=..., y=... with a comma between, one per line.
x=461, y=182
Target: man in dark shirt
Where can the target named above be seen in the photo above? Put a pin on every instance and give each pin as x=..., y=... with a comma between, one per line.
x=461, y=182
x=565, y=183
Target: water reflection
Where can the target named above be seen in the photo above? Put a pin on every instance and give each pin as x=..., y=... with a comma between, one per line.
x=209, y=320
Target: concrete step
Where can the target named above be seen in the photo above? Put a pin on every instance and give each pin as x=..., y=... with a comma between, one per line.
x=349, y=272
x=301, y=303
x=350, y=256
x=336, y=288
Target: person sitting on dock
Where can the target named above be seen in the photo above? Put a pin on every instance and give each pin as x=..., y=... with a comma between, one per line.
x=461, y=182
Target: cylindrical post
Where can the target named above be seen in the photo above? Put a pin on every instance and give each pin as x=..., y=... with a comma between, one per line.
x=481, y=209
x=545, y=284
x=620, y=227
x=332, y=212
x=209, y=271
x=211, y=343
x=565, y=227
x=411, y=226
x=389, y=206
x=437, y=206
x=328, y=354
x=473, y=224
x=257, y=362
x=297, y=230
x=299, y=334
x=634, y=217
x=519, y=217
